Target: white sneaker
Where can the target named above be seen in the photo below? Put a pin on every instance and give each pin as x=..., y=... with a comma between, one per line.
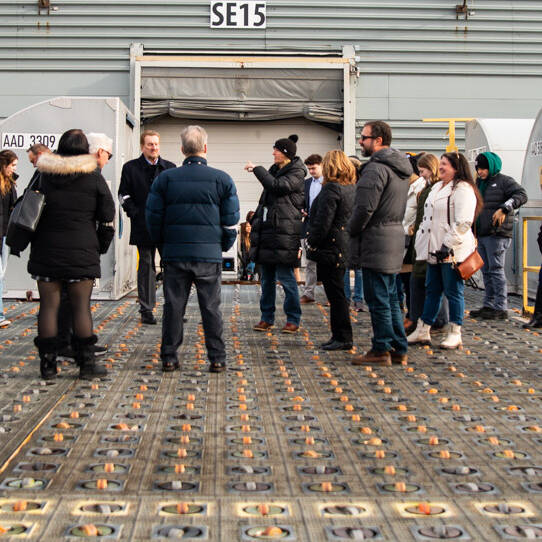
x=421, y=335
x=5, y=322
x=453, y=338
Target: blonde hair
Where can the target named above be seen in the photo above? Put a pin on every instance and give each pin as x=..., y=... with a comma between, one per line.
x=338, y=168
x=430, y=162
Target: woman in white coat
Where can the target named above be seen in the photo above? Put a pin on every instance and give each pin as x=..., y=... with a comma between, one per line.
x=445, y=232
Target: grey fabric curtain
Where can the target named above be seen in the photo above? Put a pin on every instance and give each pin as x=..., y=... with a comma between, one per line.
x=242, y=94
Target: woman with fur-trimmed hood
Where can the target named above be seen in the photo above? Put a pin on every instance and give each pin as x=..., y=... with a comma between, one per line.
x=65, y=247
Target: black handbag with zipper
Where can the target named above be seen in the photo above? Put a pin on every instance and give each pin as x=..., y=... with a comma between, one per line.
x=25, y=217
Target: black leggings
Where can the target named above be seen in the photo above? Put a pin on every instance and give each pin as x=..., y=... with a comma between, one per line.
x=79, y=296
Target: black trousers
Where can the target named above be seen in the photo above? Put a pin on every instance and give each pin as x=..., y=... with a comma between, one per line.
x=146, y=279
x=178, y=280
x=332, y=278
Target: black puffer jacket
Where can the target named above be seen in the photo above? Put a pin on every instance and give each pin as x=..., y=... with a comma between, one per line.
x=376, y=223
x=328, y=239
x=135, y=182
x=65, y=244
x=277, y=225
x=502, y=192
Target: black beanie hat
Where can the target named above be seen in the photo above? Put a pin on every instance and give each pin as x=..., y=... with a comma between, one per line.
x=287, y=146
x=481, y=162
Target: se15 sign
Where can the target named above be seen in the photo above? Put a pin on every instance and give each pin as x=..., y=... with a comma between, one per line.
x=238, y=14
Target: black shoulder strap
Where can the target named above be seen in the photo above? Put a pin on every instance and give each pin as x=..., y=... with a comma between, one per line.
x=36, y=183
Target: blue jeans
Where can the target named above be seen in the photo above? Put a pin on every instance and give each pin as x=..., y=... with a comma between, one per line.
x=386, y=318
x=493, y=252
x=285, y=275
x=443, y=278
x=358, y=285
x=417, y=300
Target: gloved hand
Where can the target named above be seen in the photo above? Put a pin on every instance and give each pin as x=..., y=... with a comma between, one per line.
x=443, y=253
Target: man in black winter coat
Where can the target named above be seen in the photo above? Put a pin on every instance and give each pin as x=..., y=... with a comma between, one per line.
x=494, y=227
x=135, y=182
x=378, y=240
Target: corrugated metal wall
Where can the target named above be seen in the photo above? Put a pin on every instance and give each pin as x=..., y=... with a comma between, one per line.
x=417, y=57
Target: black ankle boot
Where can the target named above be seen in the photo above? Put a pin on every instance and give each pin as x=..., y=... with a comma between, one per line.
x=84, y=357
x=47, y=349
x=534, y=322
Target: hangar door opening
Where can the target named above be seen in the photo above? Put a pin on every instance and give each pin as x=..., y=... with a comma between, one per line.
x=232, y=144
x=246, y=104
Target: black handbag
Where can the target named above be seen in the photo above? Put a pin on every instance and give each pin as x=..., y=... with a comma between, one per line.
x=25, y=217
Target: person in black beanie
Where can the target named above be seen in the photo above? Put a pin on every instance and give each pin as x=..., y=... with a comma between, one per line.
x=276, y=231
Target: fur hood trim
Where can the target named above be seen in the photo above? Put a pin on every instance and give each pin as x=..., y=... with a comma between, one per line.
x=66, y=165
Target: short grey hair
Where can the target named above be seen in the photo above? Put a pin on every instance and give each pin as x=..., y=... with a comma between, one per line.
x=99, y=141
x=193, y=140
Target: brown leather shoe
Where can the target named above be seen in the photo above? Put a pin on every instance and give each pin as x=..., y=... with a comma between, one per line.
x=262, y=326
x=306, y=299
x=398, y=359
x=290, y=328
x=373, y=358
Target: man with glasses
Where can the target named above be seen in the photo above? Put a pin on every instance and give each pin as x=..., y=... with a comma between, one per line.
x=378, y=240
x=101, y=147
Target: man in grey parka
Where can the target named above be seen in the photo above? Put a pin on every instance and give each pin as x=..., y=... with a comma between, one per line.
x=378, y=240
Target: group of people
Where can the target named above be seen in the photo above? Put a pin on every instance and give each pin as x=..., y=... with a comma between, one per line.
x=400, y=222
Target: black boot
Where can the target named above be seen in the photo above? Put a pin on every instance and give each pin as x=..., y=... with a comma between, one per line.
x=47, y=349
x=534, y=322
x=84, y=357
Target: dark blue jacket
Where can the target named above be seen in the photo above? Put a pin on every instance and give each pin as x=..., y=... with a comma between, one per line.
x=187, y=209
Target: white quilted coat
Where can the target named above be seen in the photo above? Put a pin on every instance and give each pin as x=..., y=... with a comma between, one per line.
x=434, y=230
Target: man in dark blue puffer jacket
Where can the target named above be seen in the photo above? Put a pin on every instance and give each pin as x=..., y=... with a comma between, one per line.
x=188, y=212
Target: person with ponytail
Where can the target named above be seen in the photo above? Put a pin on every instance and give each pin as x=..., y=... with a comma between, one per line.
x=275, y=239
x=8, y=196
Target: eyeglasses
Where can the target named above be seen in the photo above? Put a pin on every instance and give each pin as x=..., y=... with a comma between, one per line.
x=109, y=155
x=363, y=138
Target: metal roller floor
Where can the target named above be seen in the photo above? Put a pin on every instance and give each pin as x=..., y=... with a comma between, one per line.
x=291, y=443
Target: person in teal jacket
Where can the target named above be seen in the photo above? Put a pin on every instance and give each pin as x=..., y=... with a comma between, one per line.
x=494, y=228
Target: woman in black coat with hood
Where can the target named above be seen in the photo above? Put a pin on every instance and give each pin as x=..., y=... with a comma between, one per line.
x=65, y=247
x=328, y=241
x=275, y=238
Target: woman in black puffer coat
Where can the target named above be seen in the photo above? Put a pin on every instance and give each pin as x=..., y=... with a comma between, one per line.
x=65, y=247
x=276, y=232
x=328, y=241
